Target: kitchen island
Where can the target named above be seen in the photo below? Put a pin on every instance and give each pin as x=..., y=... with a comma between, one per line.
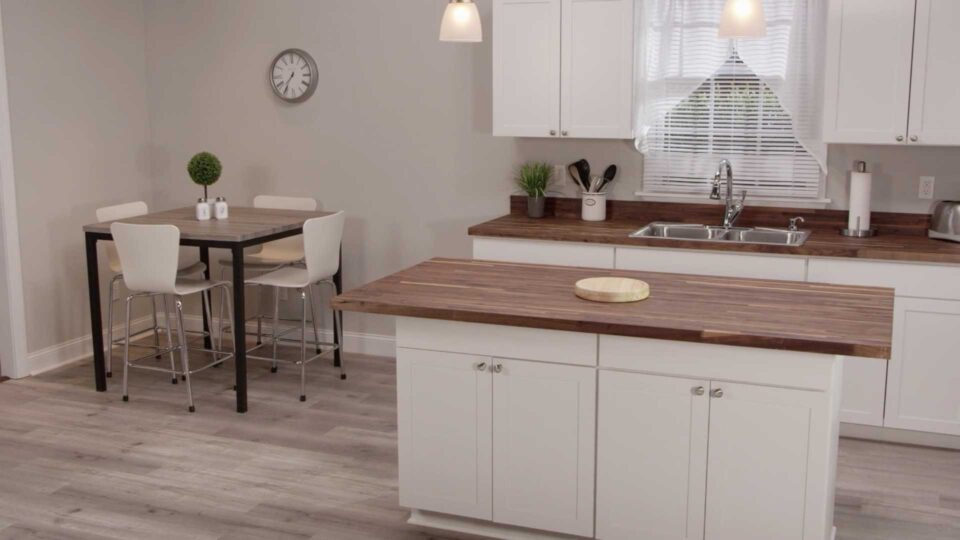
x=709, y=410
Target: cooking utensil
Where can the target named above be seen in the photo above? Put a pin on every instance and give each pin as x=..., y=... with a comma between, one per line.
x=583, y=166
x=595, y=184
x=608, y=176
x=575, y=174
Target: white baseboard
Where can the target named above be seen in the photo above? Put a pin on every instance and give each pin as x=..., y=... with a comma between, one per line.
x=354, y=342
x=77, y=349
x=899, y=436
x=74, y=350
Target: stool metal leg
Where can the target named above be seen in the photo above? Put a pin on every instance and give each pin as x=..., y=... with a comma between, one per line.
x=110, y=302
x=126, y=351
x=276, y=326
x=313, y=316
x=156, y=326
x=184, y=354
x=303, y=344
x=166, y=322
x=339, y=316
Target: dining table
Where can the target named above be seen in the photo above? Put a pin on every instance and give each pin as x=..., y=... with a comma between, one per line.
x=245, y=227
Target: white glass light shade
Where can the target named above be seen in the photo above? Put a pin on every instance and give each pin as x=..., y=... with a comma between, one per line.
x=461, y=22
x=742, y=19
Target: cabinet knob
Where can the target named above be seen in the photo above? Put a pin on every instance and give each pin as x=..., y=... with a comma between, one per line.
x=564, y=133
x=498, y=368
x=899, y=138
x=553, y=133
x=482, y=366
x=914, y=138
x=698, y=391
x=718, y=393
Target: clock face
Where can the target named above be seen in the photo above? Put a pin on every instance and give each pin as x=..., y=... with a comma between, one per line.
x=293, y=75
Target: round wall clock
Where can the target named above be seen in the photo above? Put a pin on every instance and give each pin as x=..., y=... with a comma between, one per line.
x=293, y=75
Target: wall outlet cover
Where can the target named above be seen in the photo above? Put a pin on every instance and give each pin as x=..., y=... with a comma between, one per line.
x=926, y=187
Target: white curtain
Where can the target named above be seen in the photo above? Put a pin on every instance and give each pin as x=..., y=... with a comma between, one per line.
x=678, y=49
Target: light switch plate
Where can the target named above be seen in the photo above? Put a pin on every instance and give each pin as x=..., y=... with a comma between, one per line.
x=926, y=187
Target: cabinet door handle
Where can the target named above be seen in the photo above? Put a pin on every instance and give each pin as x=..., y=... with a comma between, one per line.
x=482, y=366
x=914, y=138
x=698, y=391
x=899, y=138
x=497, y=368
x=718, y=393
x=564, y=133
x=553, y=133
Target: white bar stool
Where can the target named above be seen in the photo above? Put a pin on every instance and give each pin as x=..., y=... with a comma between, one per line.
x=321, y=246
x=123, y=211
x=149, y=255
x=272, y=255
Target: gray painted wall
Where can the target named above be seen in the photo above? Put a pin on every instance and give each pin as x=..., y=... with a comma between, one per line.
x=77, y=87
x=110, y=98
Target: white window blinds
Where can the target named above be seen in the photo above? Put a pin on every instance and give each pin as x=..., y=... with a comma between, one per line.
x=732, y=115
x=756, y=102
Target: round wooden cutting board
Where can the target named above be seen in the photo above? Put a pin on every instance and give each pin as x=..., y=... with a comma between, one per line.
x=612, y=289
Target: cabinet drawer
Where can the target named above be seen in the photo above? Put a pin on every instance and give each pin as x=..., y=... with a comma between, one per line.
x=711, y=263
x=554, y=346
x=916, y=280
x=543, y=252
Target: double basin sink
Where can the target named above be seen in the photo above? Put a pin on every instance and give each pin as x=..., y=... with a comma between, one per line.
x=733, y=235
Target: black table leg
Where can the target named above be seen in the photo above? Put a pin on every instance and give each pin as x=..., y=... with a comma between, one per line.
x=96, y=317
x=239, y=330
x=205, y=259
x=338, y=283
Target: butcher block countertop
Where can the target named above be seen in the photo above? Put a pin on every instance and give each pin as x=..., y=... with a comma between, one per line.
x=903, y=237
x=785, y=315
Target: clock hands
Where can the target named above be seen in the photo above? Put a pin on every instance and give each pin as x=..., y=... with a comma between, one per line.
x=287, y=85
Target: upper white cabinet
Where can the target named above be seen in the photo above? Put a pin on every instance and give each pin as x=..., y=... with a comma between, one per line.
x=563, y=68
x=891, y=72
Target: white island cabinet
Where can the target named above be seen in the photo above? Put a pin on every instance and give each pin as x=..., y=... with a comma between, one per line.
x=687, y=436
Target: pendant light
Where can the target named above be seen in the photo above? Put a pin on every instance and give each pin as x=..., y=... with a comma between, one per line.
x=461, y=22
x=742, y=19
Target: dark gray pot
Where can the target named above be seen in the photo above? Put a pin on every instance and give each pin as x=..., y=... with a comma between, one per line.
x=535, y=206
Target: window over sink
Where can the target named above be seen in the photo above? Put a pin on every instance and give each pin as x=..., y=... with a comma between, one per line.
x=756, y=102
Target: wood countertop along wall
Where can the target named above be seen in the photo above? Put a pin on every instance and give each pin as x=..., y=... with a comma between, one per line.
x=829, y=319
x=902, y=237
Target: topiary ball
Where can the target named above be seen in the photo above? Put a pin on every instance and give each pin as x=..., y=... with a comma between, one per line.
x=204, y=168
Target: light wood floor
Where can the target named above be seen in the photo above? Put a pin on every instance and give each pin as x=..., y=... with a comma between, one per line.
x=78, y=464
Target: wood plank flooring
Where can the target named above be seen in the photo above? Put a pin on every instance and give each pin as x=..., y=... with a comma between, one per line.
x=77, y=464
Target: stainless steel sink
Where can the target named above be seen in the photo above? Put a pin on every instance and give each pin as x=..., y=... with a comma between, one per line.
x=708, y=233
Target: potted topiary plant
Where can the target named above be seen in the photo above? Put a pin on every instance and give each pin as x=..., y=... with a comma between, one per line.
x=204, y=169
x=533, y=179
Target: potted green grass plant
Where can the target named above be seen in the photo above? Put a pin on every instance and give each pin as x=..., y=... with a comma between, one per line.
x=533, y=178
x=204, y=169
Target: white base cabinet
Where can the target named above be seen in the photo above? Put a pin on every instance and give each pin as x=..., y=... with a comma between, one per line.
x=507, y=441
x=656, y=439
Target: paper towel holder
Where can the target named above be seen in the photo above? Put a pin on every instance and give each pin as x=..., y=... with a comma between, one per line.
x=858, y=232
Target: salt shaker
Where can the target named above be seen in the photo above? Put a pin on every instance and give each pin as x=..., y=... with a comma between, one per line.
x=221, y=210
x=203, y=210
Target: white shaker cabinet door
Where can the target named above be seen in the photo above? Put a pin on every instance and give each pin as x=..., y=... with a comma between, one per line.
x=443, y=422
x=924, y=373
x=526, y=68
x=596, y=91
x=934, y=107
x=651, y=456
x=543, y=446
x=869, y=54
x=759, y=464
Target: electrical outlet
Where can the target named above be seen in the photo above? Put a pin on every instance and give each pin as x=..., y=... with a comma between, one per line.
x=926, y=187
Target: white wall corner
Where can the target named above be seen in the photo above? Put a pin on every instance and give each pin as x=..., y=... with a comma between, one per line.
x=13, y=348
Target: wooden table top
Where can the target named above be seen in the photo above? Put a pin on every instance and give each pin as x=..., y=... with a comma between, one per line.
x=823, y=242
x=244, y=223
x=829, y=319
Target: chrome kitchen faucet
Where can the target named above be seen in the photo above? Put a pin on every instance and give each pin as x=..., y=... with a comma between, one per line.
x=733, y=208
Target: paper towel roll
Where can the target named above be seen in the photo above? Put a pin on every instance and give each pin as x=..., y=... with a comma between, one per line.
x=860, y=184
